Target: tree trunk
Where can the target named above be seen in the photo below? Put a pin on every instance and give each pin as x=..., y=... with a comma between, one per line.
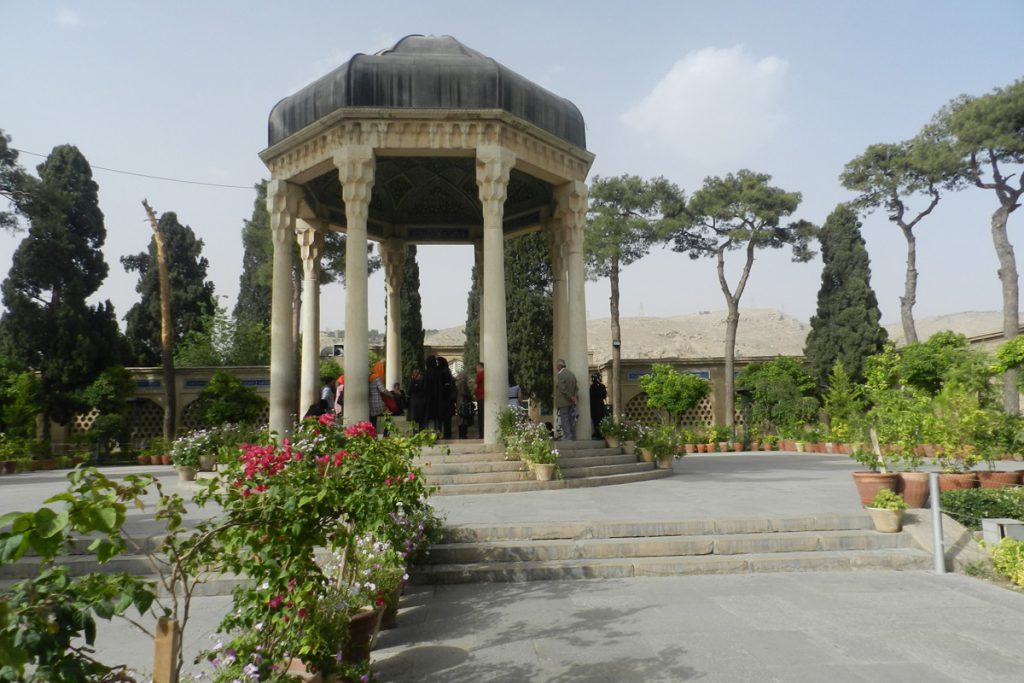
x=1011, y=316
x=909, y=297
x=732, y=322
x=616, y=347
x=166, y=348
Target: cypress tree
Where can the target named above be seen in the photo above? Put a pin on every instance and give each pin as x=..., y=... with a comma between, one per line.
x=412, y=316
x=48, y=324
x=192, y=299
x=529, y=314
x=846, y=326
x=254, y=284
x=471, y=351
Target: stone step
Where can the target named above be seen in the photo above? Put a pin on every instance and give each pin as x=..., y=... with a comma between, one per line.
x=663, y=546
x=575, y=453
x=449, y=458
x=473, y=533
x=617, y=568
x=604, y=470
x=461, y=447
x=457, y=478
x=532, y=485
x=474, y=467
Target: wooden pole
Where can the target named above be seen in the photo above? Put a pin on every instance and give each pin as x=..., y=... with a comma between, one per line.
x=166, y=646
x=166, y=350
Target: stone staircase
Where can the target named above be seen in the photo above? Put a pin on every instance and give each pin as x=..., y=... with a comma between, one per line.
x=459, y=468
x=557, y=551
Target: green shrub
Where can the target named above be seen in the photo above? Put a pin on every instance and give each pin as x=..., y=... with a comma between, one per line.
x=672, y=391
x=225, y=399
x=1008, y=559
x=969, y=506
x=888, y=500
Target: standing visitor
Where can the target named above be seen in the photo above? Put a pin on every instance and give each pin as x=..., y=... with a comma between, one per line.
x=565, y=400
x=445, y=399
x=326, y=396
x=479, y=395
x=418, y=399
x=464, y=404
x=339, y=396
x=377, y=393
x=515, y=393
x=598, y=393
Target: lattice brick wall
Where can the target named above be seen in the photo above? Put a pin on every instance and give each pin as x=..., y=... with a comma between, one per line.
x=701, y=415
x=82, y=422
x=146, y=419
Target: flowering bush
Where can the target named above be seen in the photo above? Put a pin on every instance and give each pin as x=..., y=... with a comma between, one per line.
x=286, y=502
x=531, y=441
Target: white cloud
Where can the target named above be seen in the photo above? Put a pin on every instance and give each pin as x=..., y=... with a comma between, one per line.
x=68, y=18
x=714, y=104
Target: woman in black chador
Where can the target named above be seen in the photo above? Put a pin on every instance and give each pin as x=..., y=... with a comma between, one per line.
x=440, y=396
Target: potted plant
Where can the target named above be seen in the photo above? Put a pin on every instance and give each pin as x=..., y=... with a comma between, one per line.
x=886, y=510
x=630, y=435
x=185, y=456
x=612, y=431
x=877, y=476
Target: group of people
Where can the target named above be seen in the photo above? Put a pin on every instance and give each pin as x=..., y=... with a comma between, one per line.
x=435, y=396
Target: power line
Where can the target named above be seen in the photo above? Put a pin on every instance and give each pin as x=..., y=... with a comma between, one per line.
x=146, y=175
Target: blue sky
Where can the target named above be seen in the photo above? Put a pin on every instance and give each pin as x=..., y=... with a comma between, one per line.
x=679, y=89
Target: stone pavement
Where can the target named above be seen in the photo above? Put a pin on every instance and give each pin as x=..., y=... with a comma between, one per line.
x=841, y=626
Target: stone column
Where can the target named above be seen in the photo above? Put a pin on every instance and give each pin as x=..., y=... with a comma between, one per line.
x=572, y=209
x=282, y=204
x=559, y=306
x=356, y=167
x=493, y=165
x=310, y=236
x=393, y=256
x=478, y=263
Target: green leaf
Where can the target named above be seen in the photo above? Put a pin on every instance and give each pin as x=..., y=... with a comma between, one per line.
x=9, y=518
x=47, y=546
x=12, y=547
x=49, y=523
x=104, y=549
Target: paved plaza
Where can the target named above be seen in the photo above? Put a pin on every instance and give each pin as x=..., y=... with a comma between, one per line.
x=837, y=626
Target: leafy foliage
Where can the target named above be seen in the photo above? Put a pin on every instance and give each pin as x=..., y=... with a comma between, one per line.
x=673, y=391
x=782, y=394
x=192, y=299
x=846, y=326
x=843, y=402
x=19, y=399
x=1008, y=559
x=886, y=499
x=970, y=506
x=224, y=399
x=221, y=341
x=48, y=623
x=945, y=357
x=48, y=325
x=110, y=395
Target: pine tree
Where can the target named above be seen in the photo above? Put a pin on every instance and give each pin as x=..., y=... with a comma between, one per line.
x=192, y=297
x=48, y=325
x=412, y=317
x=846, y=326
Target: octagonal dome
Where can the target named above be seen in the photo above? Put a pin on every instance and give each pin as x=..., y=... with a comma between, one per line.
x=427, y=72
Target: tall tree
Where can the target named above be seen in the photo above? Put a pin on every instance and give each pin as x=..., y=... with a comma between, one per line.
x=890, y=176
x=166, y=324
x=740, y=211
x=412, y=316
x=254, y=290
x=192, y=296
x=622, y=219
x=989, y=132
x=16, y=186
x=471, y=350
x=528, y=305
x=846, y=326
x=48, y=324
x=252, y=310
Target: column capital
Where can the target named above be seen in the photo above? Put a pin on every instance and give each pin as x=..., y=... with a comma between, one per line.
x=356, y=166
x=283, y=206
x=310, y=235
x=493, y=166
x=571, y=212
x=392, y=256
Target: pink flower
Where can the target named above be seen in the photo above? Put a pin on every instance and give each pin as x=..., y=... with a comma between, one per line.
x=361, y=429
x=412, y=475
x=275, y=602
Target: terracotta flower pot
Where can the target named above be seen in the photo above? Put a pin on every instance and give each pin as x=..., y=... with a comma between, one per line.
x=390, y=617
x=186, y=473
x=143, y=459
x=737, y=447
x=800, y=446
x=362, y=631
x=870, y=483
x=629, y=447
x=955, y=481
x=165, y=459
x=913, y=486
x=612, y=441
x=543, y=471
x=665, y=463
x=646, y=455
x=997, y=480
x=689, y=447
